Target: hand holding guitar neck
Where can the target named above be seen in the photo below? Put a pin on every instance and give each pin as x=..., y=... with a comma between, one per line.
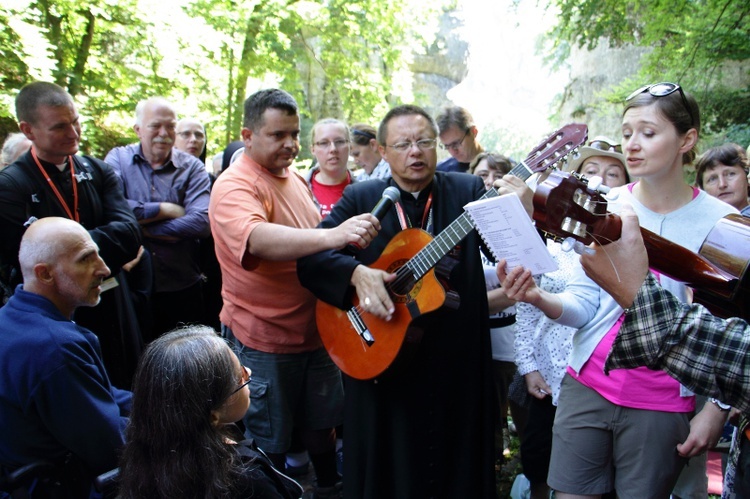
x=510, y=184
x=390, y=195
x=620, y=267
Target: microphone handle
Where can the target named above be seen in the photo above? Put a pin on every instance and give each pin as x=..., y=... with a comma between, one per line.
x=378, y=212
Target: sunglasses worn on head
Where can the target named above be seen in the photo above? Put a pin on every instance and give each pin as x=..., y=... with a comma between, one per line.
x=603, y=145
x=662, y=90
x=363, y=133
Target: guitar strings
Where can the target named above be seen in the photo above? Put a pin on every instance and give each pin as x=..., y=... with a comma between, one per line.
x=611, y=262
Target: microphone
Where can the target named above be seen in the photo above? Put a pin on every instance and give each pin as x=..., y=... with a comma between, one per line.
x=390, y=195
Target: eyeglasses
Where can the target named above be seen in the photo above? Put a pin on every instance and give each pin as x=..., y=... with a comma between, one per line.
x=244, y=380
x=456, y=143
x=603, y=145
x=423, y=145
x=325, y=144
x=662, y=90
x=187, y=134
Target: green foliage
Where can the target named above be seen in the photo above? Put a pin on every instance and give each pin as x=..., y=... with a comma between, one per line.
x=337, y=57
x=696, y=43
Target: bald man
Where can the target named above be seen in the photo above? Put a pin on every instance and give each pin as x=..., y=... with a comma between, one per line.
x=168, y=191
x=56, y=400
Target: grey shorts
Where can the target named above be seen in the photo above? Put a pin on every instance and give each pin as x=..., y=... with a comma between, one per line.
x=302, y=390
x=598, y=446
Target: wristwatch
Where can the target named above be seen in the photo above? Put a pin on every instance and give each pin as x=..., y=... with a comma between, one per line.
x=721, y=405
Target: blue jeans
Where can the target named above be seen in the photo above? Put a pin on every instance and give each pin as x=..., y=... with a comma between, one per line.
x=302, y=390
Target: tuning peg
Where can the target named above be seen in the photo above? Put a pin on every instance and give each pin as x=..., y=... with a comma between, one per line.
x=573, y=244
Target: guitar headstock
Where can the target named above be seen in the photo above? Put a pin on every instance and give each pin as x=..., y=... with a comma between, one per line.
x=565, y=206
x=556, y=146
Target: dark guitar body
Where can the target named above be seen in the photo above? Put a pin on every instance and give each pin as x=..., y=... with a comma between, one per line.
x=728, y=247
x=565, y=207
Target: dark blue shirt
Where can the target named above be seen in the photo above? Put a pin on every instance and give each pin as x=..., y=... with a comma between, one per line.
x=55, y=395
x=452, y=165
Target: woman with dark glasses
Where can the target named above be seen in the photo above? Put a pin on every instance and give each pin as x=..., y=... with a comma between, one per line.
x=631, y=430
x=181, y=441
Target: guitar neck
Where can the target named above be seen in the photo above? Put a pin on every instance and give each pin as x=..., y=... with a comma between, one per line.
x=436, y=249
x=522, y=171
x=549, y=152
x=681, y=264
x=428, y=257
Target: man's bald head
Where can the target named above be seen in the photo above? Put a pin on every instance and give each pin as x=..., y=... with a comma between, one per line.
x=44, y=241
x=61, y=262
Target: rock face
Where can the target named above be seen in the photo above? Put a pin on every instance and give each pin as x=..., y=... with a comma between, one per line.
x=591, y=73
x=442, y=67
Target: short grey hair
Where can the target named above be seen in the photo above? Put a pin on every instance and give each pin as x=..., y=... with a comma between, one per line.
x=13, y=147
x=141, y=106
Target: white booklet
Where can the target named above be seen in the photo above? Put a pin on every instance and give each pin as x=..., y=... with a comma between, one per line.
x=509, y=233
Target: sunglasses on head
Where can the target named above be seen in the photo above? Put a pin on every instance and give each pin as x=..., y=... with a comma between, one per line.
x=362, y=133
x=662, y=90
x=603, y=145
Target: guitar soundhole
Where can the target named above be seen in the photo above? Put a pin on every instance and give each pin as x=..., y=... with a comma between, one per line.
x=404, y=288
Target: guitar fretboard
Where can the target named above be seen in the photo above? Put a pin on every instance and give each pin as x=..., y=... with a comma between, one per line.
x=551, y=151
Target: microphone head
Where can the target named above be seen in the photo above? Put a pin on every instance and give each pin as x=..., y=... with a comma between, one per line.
x=392, y=193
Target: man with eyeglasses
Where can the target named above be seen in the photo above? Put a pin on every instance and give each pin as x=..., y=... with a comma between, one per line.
x=425, y=427
x=458, y=135
x=56, y=400
x=168, y=191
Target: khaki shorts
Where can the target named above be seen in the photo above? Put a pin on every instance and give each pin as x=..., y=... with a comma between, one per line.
x=598, y=446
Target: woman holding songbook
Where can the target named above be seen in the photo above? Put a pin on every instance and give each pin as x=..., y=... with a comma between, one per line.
x=631, y=430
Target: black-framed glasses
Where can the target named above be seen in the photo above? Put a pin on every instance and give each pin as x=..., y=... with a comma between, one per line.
x=422, y=145
x=456, y=143
x=663, y=89
x=244, y=380
x=603, y=145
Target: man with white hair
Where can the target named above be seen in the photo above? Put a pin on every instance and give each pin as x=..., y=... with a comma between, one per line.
x=168, y=191
x=15, y=145
x=56, y=400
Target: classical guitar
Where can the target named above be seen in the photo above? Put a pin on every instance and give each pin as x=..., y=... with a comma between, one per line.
x=364, y=346
x=566, y=207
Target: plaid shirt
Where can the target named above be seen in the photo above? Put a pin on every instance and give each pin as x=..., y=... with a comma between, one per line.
x=706, y=354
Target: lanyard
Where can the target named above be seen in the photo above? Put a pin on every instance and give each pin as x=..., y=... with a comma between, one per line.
x=74, y=214
x=403, y=218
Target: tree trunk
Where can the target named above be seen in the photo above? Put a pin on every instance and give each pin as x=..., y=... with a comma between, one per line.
x=76, y=79
x=55, y=37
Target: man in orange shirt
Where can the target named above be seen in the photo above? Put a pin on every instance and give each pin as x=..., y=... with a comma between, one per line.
x=263, y=218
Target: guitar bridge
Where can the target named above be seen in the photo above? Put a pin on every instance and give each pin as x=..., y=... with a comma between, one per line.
x=360, y=327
